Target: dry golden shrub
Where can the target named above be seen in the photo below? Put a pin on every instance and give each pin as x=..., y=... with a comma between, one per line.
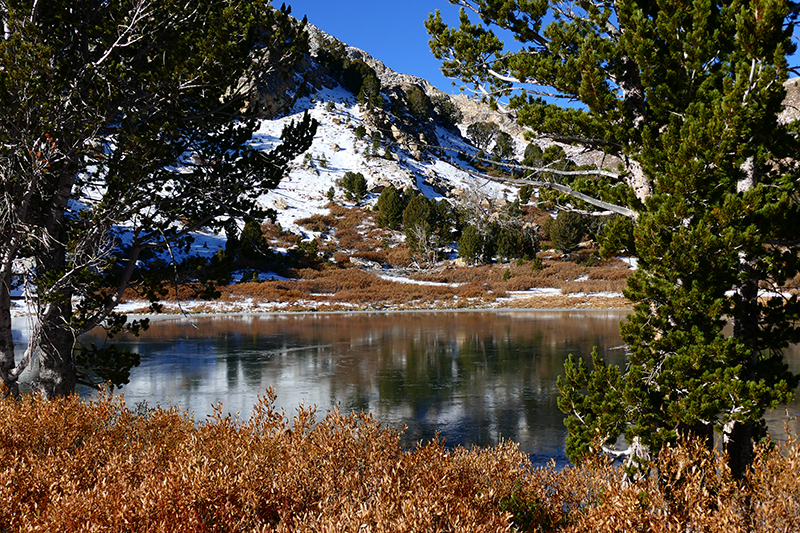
x=342, y=259
x=615, y=271
x=316, y=222
x=378, y=255
x=591, y=286
x=334, y=281
x=349, y=238
x=775, y=487
x=344, y=217
x=457, y=275
x=473, y=289
x=398, y=255
x=269, y=291
x=72, y=465
x=69, y=465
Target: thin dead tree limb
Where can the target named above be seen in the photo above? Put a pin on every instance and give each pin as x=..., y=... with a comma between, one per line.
x=565, y=189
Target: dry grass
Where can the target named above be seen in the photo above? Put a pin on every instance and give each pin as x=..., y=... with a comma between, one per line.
x=69, y=465
x=343, y=284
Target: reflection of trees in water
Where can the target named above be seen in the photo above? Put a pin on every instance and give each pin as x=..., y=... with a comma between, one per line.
x=476, y=377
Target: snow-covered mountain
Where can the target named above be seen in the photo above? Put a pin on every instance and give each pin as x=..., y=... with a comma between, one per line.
x=429, y=165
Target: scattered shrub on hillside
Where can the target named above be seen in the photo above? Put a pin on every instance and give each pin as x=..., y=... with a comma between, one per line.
x=355, y=76
x=533, y=155
x=332, y=54
x=391, y=204
x=354, y=185
x=360, y=79
x=446, y=113
x=482, y=133
x=504, y=146
x=566, y=231
x=419, y=105
x=316, y=222
x=360, y=131
x=525, y=193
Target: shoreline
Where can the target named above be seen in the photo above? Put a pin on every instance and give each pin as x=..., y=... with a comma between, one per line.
x=168, y=316
x=19, y=319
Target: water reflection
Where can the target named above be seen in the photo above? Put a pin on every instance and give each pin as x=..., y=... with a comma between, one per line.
x=473, y=377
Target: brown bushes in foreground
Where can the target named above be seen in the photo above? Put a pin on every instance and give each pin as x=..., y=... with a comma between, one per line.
x=70, y=465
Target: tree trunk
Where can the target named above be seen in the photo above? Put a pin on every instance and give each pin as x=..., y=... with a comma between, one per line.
x=56, y=338
x=738, y=436
x=739, y=447
x=56, y=344
x=699, y=430
x=8, y=385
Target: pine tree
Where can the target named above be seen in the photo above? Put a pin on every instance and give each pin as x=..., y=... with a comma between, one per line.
x=419, y=104
x=504, y=146
x=482, y=133
x=119, y=135
x=391, y=204
x=354, y=185
x=687, y=96
x=566, y=231
x=419, y=225
x=470, y=245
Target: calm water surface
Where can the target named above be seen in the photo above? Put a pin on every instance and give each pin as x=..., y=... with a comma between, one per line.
x=473, y=377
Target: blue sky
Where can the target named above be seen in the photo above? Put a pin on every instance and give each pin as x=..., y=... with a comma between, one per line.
x=392, y=32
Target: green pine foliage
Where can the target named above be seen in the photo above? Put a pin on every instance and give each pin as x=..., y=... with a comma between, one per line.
x=525, y=193
x=566, y=231
x=391, y=204
x=419, y=104
x=686, y=95
x=482, y=133
x=446, y=113
x=471, y=245
x=354, y=185
x=355, y=75
x=420, y=225
x=515, y=242
x=504, y=146
x=592, y=393
x=533, y=155
x=252, y=243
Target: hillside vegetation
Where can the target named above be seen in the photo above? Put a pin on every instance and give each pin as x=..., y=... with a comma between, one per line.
x=355, y=264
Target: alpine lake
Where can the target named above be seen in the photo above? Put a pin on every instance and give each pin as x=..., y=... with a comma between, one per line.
x=472, y=377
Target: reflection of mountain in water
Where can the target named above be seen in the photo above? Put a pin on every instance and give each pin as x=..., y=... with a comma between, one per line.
x=475, y=377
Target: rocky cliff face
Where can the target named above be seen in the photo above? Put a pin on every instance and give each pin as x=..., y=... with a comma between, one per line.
x=791, y=104
x=274, y=90
x=388, y=77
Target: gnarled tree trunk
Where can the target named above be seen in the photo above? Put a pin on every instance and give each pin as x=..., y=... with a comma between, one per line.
x=8, y=383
